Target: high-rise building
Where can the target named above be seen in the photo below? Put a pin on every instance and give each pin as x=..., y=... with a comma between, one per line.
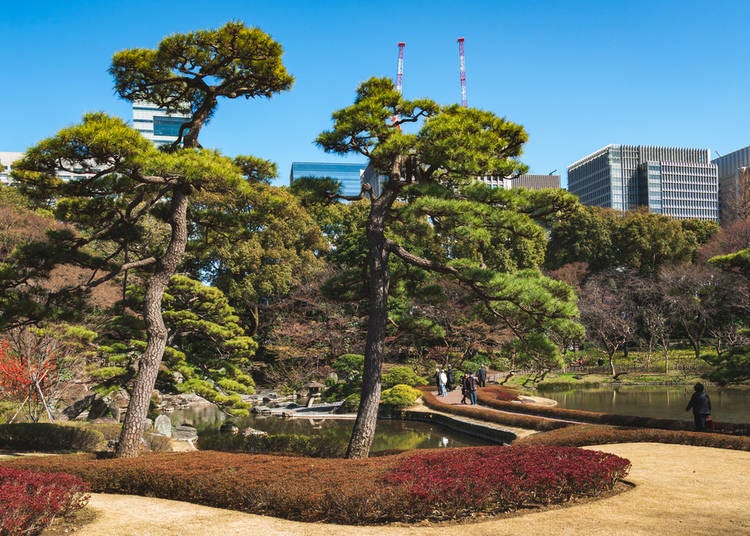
x=348, y=175
x=529, y=181
x=678, y=182
x=734, y=179
x=155, y=124
x=6, y=161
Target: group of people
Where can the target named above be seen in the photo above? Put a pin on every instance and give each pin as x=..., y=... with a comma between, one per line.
x=444, y=379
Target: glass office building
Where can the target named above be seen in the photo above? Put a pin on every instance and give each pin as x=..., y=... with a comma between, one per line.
x=678, y=182
x=348, y=175
x=155, y=124
x=733, y=180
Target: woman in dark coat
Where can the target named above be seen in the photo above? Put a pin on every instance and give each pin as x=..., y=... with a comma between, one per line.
x=700, y=403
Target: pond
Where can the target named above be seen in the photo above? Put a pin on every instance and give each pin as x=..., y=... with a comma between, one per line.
x=662, y=402
x=390, y=434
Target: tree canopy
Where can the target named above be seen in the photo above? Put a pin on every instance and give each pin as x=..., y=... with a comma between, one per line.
x=479, y=236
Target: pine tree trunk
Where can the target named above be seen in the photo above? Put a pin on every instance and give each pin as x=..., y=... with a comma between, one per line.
x=367, y=414
x=129, y=444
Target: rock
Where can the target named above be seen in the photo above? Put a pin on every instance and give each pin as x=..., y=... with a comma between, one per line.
x=163, y=425
x=252, y=431
x=184, y=433
x=79, y=406
x=229, y=428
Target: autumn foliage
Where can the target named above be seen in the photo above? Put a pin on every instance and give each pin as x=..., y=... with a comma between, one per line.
x=29, y=501
x=428, y=484
x=25, y=378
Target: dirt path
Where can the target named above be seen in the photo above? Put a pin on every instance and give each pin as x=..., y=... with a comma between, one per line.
x=679, y=490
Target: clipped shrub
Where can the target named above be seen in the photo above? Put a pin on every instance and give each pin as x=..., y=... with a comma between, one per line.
x=351, y=403
x=402, y=375
x=459, y=482
x=592, y=434
x=48, y=437
x=507, y=418
x=432, y=484
x=30, y=501
x=300, y=445
x=400, y=396
x=488, y=396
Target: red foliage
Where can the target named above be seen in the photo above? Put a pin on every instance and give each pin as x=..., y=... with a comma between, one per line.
x=30, y=501
x=439, y=484
x=19, y=375
x=498, y=479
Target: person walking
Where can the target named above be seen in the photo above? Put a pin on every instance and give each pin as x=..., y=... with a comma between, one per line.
x=471, y=388
x=700, y=403
x=449, y=385
x=464, y=388
x=482, y=376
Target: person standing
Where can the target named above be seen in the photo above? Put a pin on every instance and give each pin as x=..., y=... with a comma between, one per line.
x=482, y=376
x=471, y=388
x=464, y=387
x=700, y=403
x=443, y=381
x=449, y=385
x=437, y=380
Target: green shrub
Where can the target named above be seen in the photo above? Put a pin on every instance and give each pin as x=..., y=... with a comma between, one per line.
x=351, y=403
x=402, y=375
x=48, y=437
x=400, y=396
x=301, y=445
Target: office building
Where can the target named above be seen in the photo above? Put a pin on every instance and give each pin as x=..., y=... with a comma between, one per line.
x=155, y=124
x=6, y=161
x=527, y=180
x=348, y=175
x=679, y=182
x=734, y=180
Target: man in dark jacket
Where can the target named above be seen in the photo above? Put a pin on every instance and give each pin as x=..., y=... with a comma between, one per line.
x=700, y=403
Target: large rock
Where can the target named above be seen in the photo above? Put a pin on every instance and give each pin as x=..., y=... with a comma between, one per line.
x=184, y=433
x=163, y=425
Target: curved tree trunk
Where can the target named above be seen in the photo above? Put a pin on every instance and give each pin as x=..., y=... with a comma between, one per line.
x=148, y=366
x=367, y=414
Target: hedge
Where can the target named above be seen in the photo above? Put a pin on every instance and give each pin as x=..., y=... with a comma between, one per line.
x=48, y=437
x=417, y=485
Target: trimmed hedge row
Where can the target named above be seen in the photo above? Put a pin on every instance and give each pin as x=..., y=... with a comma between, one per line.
x=417, y=485
x=490, y=415
x=593, y=434
x=297, y=444
x=494, y=396
x=30, y=501
x=48, y=437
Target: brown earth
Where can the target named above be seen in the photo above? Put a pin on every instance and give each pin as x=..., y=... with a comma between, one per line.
x=678, y=490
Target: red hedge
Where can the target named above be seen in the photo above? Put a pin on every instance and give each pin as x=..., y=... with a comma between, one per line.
x=30, y=501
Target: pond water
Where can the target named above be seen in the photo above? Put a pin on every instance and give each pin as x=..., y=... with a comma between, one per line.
x=390, y=434
x=663, y=401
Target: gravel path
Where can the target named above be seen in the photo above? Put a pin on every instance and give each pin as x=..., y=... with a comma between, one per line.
x=679, y=490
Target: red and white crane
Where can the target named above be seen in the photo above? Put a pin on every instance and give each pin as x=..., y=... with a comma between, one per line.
x=399, y=78
x=462, y=67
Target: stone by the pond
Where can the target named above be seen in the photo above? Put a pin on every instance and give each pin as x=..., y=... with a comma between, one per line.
x=252, y=431
x=229, y=428
x=184, y=432
x=163, y=425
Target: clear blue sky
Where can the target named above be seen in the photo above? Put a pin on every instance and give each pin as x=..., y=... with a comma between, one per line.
x=577, y=74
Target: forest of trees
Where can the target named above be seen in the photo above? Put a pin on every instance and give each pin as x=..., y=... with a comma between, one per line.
x=186, y=270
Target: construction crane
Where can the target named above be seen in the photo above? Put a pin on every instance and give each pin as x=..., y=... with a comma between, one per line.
x=462, y=66
x=400, y=72
x=399, y=78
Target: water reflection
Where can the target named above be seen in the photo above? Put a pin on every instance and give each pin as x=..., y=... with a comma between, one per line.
x=663, y=401
x=389, y=434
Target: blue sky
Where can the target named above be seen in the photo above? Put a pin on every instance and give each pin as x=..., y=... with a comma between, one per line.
x=577, y=74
